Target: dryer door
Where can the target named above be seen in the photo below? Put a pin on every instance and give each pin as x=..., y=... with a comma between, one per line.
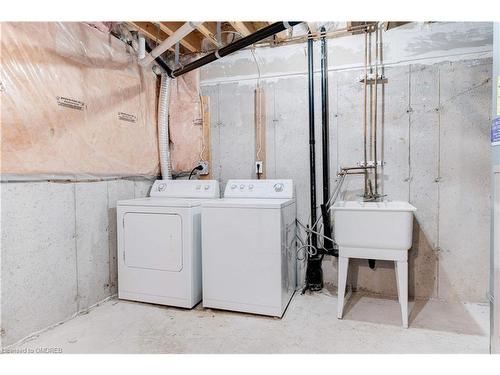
x=153, y=241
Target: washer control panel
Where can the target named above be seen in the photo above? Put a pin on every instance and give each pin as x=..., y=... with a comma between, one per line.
x=185, y=189
x=259, y=189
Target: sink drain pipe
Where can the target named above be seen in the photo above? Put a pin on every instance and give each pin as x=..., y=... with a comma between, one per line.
x=325, y=124
x=314, y=273
x=312, y=139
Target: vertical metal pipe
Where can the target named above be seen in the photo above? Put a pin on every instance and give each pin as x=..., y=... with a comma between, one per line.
x=375, y=83
x=371, y=90
x=312, y=139
x=325, y=119
x=365, y=86
x=382, y=111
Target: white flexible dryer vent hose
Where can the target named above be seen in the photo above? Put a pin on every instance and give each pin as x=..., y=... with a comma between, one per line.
x=163, y=138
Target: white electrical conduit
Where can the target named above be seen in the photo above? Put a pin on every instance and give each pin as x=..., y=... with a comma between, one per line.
x=178, y=34
x=163, y=138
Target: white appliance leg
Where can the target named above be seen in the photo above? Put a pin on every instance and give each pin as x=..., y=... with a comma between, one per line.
x=402, y=279
x=342, y=281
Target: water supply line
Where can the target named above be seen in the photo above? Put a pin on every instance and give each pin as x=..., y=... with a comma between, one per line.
x=375, y=107
x=370, y=115
x=163, y=136
x=365, y=117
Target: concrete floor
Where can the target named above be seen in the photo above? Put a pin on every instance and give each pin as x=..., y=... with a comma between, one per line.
x=371, y=325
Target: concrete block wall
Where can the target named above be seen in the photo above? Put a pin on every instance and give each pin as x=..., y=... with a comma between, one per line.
x=58, y=250
x=435, y=142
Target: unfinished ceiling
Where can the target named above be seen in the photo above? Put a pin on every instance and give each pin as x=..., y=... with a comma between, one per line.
x=206, y=37
x=210, y=36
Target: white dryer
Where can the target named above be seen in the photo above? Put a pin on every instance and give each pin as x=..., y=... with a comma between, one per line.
x=159, y=243
x=248, y=247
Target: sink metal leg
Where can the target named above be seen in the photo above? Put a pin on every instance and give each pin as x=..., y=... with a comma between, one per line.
x=397, y=278
x=402, y=281
x=342, y=281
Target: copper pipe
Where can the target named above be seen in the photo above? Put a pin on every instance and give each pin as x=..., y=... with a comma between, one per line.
x=371, y=91
x=301, y=38
x=356, y=168
x=375, y=104
x=365, y=114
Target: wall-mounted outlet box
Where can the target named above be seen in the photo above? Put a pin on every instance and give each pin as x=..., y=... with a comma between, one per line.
x=205, y=170
x=259, y=167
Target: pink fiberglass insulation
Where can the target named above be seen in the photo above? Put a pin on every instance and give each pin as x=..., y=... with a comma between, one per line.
x=74, y=102
x=185, y=122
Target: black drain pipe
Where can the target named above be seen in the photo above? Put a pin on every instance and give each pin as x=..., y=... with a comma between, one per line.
x=327, y=229
x=314, y=273
x=257, y=36
x=312, y=139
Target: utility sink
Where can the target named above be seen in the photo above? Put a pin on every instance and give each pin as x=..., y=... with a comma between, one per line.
x=374, y=230
x=373, y=225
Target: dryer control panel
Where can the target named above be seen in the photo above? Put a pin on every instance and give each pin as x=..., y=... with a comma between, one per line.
x=259, y=189
x=185, y=189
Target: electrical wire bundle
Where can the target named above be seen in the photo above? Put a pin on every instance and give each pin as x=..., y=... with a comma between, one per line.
x=315, y=228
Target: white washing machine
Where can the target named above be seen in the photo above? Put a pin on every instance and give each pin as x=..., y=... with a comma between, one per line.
x=159, y=243
x=248, y=247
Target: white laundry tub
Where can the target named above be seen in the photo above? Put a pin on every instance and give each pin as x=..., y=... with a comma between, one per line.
x=374, y=230
x=373, y=225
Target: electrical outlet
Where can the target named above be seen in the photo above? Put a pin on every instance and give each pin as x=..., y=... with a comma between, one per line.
x=259, y=167
x=204, y=171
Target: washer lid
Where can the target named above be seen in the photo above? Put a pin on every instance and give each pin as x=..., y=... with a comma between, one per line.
x=247, y=203
x=162, y=202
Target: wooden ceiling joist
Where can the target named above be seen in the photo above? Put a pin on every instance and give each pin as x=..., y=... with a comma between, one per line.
x=242, y=28
x=191, y=42
x=150, y=30
x=260, y=24
x=312, y=27
x=209, y=30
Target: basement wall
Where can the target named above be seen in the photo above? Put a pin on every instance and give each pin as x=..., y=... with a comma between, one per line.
x=64, y=169
x=435, y=142
x=58, y=249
